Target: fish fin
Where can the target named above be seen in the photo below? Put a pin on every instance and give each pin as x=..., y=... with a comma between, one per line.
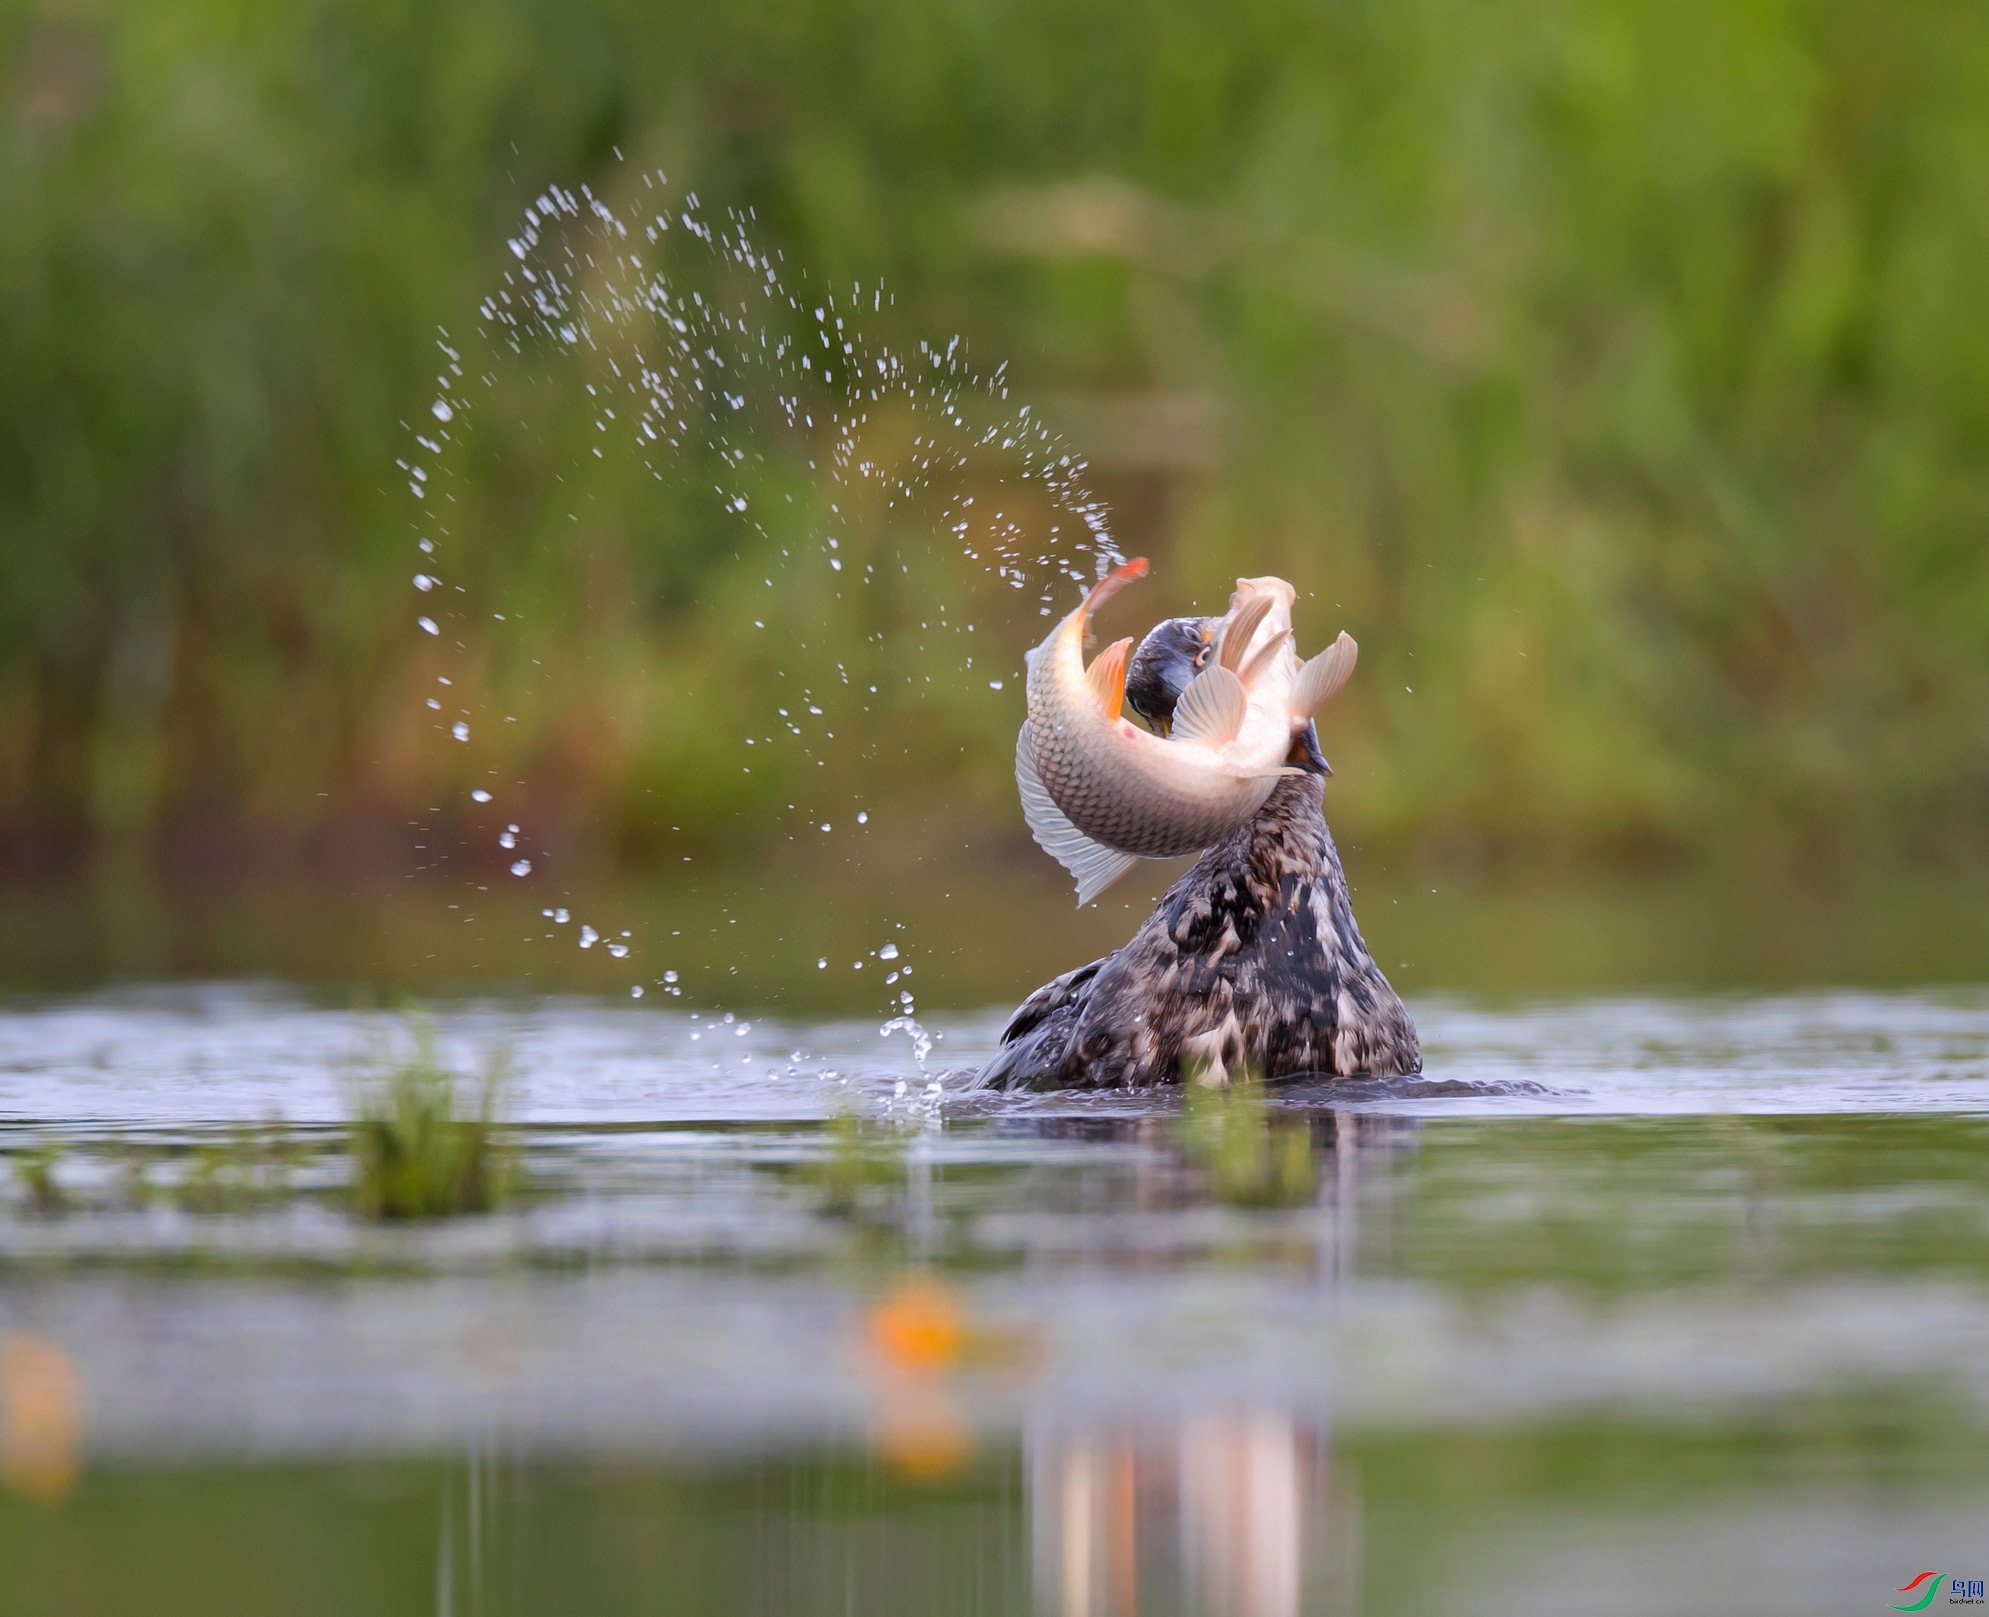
x=1233, y=638
x=1094, y=865
x=1266, y=655
x=1107, y=677
x=1212, y=709
x=1322, y=676
x=1112, y=583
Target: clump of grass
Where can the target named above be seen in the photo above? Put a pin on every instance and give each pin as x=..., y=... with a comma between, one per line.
x=34, y=1172
x=858, y=1157
x=425, y=1141
x=1250, y=1158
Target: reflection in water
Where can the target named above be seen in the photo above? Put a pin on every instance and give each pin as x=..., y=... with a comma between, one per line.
x=915, y=1336
x=1223, y=1510
x=1063, y=1370
x=925, y=1355
x=41, y=1418
x=1249, y=1157
x=1242, y=1504
x=1218, y=1513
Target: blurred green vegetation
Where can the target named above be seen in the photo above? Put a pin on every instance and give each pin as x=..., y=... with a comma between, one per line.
x=1249, y=1158
x=1611, y=368
x=425, y=1140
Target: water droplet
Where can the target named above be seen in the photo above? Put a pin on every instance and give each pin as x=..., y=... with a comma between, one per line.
x=479, y=796
x=507, y=840
x=560, y=917
x=888, y=952
x=618, y=950
x=825, y=828
x=460, y=730
x=423, y=582
x=442, y=412
x=521, y=867
x=863, y=819
x=588, y=937
x=994, y=684
x=669, y=976
x=635, y=992
x=821, y=965
x=427, y=625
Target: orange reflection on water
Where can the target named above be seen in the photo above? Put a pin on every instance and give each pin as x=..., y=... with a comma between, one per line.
x=918, y=1342
x=914, y=1336
x=41, y=1418
x=917, y=1329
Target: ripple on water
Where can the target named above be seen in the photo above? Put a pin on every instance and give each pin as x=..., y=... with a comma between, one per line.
x=224, y=1053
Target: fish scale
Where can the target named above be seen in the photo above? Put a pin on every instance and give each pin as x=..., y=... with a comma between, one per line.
x=1110, y=814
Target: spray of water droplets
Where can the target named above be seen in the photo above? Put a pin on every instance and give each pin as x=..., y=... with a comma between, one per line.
x=720, y=373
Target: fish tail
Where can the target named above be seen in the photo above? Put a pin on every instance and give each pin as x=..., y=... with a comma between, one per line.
x=1112, y=583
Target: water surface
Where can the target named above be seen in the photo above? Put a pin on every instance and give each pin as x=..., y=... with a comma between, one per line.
x=1641, y=1305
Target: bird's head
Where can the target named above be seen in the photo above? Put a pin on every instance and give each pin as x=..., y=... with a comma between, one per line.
x=1173, y=653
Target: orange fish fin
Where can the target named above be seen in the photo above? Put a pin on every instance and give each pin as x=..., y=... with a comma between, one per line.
x=1107, y=677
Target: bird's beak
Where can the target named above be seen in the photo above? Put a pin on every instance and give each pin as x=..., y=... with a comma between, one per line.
x=1305, y=752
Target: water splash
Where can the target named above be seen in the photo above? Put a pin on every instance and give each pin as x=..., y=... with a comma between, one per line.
x=915, y=1030
x=760, y=396
x=930, y=1098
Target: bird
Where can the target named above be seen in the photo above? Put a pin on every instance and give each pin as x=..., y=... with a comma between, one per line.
x=1251, y=964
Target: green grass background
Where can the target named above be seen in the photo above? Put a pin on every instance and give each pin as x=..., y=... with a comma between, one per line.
x=1616, y=370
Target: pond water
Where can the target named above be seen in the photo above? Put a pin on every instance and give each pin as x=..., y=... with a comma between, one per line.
x=1630, y=1306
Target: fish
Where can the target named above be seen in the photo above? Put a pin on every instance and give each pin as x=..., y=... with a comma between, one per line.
x=1100, y=793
